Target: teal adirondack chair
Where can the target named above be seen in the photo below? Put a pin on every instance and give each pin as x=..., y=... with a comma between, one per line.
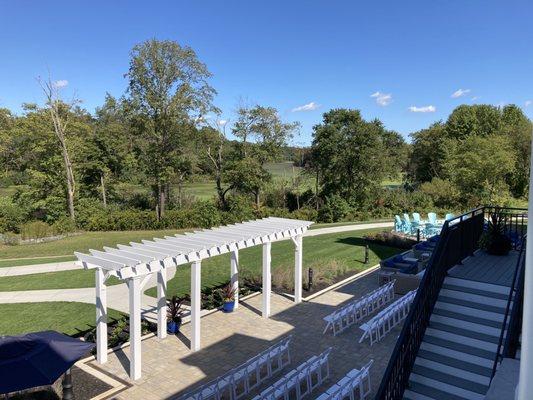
x=417, y=224
x=449, y=216
x=410, y=227
x=432, y=227
x=399, y=225
x=406, y=223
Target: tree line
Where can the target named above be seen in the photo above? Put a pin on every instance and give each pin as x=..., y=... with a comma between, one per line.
x=128, y=162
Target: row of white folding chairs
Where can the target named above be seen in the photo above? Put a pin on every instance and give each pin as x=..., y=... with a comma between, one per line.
x=354, y=386
x=356, y=310
x=300, y=381
x=239, y=381
x=384, y=321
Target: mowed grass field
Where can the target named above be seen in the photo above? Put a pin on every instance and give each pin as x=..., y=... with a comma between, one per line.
x=340, y=249
x=63, y=249
x=345, y=248
x=65, y=317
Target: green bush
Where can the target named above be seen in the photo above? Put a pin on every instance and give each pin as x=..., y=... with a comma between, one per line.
x=64, y=225
x=35, y=230
x=335, y=209
x=11, y=216
x=443, y=193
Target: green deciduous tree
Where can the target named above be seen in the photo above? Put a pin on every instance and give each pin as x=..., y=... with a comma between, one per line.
x=169, y=89
x=349, y=154
x=426, y=153
x=478, y=119
x=479, y=167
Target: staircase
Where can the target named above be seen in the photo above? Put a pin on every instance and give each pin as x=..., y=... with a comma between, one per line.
x=458, y=349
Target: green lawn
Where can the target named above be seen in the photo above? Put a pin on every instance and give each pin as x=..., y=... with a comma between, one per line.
x=69, y=318
x=344, y=247
x=62, y=250
x=51, y=280
x=66, y=247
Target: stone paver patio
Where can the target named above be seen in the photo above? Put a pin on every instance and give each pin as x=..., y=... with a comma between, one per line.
x=169, y=368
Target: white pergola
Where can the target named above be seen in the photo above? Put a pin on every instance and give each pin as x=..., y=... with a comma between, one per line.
x=135, y=263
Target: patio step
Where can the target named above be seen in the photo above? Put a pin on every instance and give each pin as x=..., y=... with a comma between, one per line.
x=419, y=391
x=467, y=332
x=476, y=319
x=464, y=324
x=477, y=291
x=455, y=363
x=472, y=304
x=457, y=353
x=475, y=298
x=489, y=287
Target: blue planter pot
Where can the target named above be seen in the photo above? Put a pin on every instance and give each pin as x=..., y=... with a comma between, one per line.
x=228, y=306
x=173, y=327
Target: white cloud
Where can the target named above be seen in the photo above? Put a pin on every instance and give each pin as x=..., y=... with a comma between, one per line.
x=424, y=109
x=528, y=103
x=60, y=84
x=222, y=122
x=474, y=98
x=383, y=99
x=460, y=93
x=306, y=107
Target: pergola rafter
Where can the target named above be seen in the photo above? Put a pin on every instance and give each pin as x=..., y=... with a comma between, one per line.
x=136, y=262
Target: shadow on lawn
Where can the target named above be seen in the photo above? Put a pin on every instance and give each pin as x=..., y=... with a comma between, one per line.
x=381, y=251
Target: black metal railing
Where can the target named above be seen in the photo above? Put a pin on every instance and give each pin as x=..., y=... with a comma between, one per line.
x=459, y=239
x=515, y=222
x=514, y=312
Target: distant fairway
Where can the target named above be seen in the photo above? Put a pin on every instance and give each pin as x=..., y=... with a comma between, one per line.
x=206, y=189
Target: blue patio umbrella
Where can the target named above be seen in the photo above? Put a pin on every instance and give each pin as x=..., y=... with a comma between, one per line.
x=37, y=359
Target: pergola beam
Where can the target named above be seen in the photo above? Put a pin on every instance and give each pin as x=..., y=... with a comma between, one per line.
x=137, y=262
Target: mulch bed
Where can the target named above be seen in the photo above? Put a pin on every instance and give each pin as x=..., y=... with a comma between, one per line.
x=85, y=387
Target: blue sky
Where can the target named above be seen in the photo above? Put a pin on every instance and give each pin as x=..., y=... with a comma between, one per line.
x=285, y=54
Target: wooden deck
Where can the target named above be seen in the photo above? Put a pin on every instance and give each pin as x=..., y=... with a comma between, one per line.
x=483, y=267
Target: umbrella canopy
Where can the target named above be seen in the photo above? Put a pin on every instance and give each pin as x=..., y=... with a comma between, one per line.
x=37, y=359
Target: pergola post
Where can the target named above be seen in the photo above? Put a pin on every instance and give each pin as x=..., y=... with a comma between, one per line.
x=267, y=278
x=162, y=303
x=235, y=275
x=298, y=242
x=134, y=288
x=101, y=317
x=196, y=299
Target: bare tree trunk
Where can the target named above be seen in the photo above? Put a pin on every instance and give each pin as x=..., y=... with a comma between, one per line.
x=180, y=193
x=257, y=199
x=60, y=122
x=316, y=189
x=217, y=163
x=71, y=184
x=162, y=200
x=104, y=197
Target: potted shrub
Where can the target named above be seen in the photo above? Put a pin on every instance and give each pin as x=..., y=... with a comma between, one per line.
x=229, y=298
x=494, y=240
x=174, y=314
